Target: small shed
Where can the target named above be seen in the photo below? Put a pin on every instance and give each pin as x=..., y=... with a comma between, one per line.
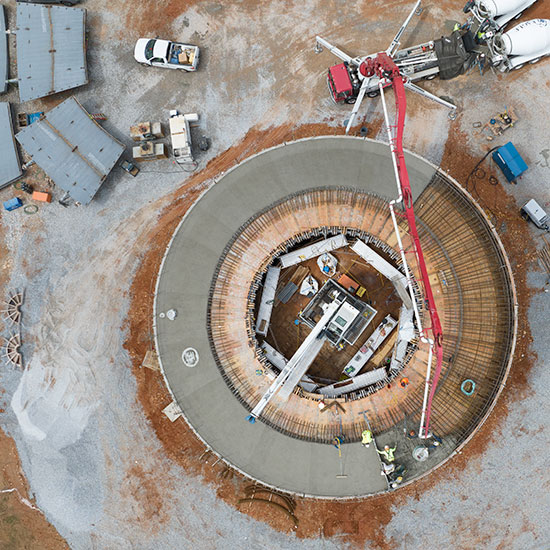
x=75, y=152
x=51, y=49
x=10, y=169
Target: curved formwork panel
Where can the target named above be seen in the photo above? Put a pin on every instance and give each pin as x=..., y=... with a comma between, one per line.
x=51, y=49
x=480, y=305
x=74, y=150
x=4, y=58
x=10, y=167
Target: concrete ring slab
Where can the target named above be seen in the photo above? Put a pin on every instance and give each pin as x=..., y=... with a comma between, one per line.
x=184, y=283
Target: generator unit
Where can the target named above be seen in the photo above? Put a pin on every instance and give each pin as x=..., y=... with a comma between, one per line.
x=510, y=162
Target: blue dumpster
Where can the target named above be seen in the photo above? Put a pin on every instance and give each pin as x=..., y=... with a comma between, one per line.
x=509, y=161
x=12, y=204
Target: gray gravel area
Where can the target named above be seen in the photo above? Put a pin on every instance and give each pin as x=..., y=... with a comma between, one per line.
x=85, y=445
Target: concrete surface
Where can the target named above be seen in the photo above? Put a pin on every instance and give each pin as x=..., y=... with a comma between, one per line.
x=184, y=285
x=77, y=264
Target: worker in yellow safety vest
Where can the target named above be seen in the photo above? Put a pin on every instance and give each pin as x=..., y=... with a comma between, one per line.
x=366, y=438
x=387, y=453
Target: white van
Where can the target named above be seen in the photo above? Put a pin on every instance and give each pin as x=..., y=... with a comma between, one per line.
x=533, y=211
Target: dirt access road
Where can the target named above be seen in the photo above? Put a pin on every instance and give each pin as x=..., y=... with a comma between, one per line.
x=101, y=463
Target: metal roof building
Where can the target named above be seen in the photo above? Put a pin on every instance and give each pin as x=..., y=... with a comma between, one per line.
x=75, y=152
x=10, y=169
x=51, y=49
x=4, y=64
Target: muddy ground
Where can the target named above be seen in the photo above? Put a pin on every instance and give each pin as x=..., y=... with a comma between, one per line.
x=97, y=459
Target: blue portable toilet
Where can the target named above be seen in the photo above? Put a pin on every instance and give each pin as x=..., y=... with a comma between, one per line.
x=509, y=161
x=12, y=204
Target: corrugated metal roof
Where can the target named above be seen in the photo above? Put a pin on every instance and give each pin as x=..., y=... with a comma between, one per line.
x=4, y=63
x=51, y=54
x=10, y=169
x=75, y=152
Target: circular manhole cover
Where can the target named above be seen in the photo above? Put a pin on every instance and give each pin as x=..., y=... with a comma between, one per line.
x=190, y=357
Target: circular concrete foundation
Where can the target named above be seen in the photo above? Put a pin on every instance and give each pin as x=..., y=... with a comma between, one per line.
x=212, y=275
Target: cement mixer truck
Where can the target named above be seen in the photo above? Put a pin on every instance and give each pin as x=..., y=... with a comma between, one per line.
x=526, y=43
x=496, y=14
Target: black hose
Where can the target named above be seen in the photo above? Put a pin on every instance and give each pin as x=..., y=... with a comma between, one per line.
x=474, y=171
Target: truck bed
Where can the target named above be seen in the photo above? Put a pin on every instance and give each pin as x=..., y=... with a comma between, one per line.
x=182, y=54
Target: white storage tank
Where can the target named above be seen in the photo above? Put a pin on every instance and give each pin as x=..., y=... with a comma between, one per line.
x=494, y=8
x=526, y=39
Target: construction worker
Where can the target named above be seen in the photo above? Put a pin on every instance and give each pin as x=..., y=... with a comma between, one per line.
x=366, y=438
x=394, y=484
x=435, y=443
x=399, y=470
x=396, y=477
x=481, y=62
x=387, y=453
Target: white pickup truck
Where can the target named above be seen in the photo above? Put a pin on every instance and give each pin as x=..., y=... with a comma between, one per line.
x=163, y=53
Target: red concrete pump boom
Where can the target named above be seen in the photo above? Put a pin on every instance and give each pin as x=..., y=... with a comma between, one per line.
x=384, y=66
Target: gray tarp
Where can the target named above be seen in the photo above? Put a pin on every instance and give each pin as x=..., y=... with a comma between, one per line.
x=452, y=57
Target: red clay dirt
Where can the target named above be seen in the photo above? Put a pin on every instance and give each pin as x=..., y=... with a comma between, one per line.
x=320, y=518
x=155, y=18
x=22, y=526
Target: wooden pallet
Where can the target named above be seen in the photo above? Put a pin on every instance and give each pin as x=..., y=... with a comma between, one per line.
x=503, y=121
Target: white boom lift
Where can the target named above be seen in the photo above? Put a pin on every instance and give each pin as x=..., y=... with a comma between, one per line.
x=300, y=361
